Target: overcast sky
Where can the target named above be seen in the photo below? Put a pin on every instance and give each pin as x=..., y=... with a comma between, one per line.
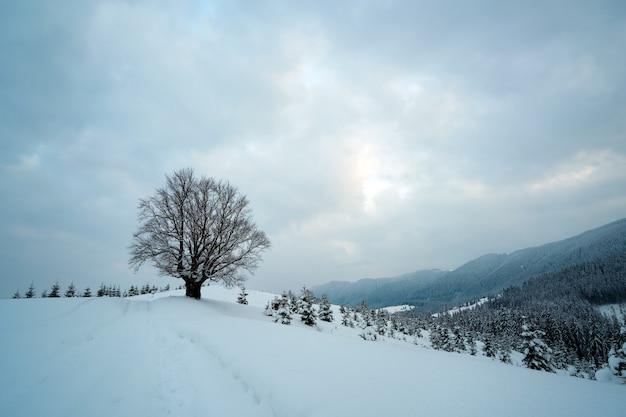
x=372, y=138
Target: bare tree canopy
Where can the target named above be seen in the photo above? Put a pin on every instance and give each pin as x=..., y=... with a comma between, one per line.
x=198, y=230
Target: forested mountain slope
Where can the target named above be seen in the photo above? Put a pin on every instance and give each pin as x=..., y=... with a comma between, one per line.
x=379, y=292
x=488, y=274
x=562, y=305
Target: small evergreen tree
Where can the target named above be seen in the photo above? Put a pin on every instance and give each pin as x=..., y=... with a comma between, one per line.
x=30, y=293
x=440, y=338
x=44, y=294
x=369, y=334
x=505, y=354
x=71, y=291
x=488, y=348
x=537, y=355
x=471, y=343
x=283, y=313
x=101, y=291
x=364, y=316
x=241, y=298
x=457, y=343
x=381, y=322
x=617, y=362
x=87, y=292
x=346, y=320
x=54, y=291
x=272, y=307
x=365, y=313
x=294, y=305
x=370, y=318
x=132, y=291
x=325, y=313
x=16, y=295
x=447, y=343
x=306, y=309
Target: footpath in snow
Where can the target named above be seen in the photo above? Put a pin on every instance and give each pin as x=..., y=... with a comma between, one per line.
x=166, y=355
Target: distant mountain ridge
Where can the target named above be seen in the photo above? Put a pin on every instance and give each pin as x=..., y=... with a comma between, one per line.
x=432, y=290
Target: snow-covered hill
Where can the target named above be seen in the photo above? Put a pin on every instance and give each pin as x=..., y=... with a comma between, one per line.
x=166, y=355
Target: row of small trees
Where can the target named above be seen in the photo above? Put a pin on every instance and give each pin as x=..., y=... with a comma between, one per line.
x=103, y=291
x=283, y=308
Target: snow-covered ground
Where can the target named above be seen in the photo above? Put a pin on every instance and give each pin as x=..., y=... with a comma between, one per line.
x=166, y=355
x=615, y=310
x=455, y=310
x=396, y=309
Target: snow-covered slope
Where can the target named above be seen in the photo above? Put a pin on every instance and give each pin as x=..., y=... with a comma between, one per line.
x=166, y=355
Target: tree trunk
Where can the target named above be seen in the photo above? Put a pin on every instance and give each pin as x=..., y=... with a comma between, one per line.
x=193, y=289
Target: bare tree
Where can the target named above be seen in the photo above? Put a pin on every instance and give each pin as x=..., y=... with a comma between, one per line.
x=198, y=230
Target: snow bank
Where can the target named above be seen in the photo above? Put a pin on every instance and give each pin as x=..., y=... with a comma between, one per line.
x=166, y=355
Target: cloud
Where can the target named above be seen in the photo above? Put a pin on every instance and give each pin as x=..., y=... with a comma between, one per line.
x=371, y=138
x=584, y=169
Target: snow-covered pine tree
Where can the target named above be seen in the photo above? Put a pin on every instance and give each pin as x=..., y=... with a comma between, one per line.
x=44, y=294
x=87, y=292
x=325, y=313
x=596, y=343
x=54, y=291
x=440, y=338
x=272, y=307
x=381, y=322
x=617, y=362
x=30, y=293
x=133, y=291
x=101, y=291
x=346, y=316
x=363, y=308
x=294, y=305
x=457, y=342
x=283, y=313
x=355, y=318
x=537, y=355
x=71, y=291
x=369, y=333
x=241, y=298
x=505, y=354
x=367, y=317
x=16, y=295
x=471, y=343
x=306, y=309
x=488, y=347
x=373, y=316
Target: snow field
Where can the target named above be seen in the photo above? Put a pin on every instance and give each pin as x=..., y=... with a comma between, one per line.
x=166, y=355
